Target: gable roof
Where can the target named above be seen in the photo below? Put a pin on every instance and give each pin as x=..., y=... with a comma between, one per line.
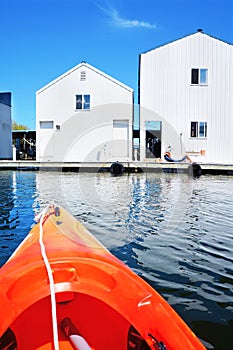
x=198, y=32
x=85, y=65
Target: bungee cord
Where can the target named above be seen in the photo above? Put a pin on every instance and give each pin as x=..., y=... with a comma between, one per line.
x=51, y=281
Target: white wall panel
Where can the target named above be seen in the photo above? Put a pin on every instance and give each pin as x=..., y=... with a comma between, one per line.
x=165, y=88
x=110, y=99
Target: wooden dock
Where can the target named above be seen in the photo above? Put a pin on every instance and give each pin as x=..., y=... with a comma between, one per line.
x=129, y=167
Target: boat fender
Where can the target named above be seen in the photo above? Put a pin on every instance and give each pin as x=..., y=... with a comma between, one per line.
x=116, y=168
x=195, y=170
x=77, y=341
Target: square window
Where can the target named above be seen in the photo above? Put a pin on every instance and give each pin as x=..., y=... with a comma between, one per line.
x=83, y=102
x=198, y=129
x=199, y=76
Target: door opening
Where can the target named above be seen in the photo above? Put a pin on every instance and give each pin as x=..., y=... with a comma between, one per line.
x=153, y=139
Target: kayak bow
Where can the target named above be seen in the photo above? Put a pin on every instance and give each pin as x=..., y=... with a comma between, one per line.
x=99, y=303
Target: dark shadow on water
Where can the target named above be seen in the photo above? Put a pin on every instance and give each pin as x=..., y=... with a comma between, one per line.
x=218, y=334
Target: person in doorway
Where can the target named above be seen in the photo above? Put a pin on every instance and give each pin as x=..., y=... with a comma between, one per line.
x=168, y=157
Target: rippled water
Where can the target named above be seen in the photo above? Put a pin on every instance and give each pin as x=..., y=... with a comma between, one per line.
x=175, y=232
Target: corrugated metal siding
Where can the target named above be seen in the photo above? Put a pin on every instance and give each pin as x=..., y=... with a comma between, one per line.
x=165, y=88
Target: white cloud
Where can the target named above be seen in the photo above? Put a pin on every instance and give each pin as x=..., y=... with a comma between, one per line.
x=121, y=22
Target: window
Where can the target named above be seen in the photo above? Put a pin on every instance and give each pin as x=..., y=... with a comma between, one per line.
x=199, y=76
x=202, y=129
x=198, y=129
x=203, y=76
x=86, y=102
x=46, y=124
x=83, y=102
x=195, y=76
x=153, y=125
x=79, y=103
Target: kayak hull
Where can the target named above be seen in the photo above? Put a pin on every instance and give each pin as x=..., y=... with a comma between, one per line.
x=110, y=306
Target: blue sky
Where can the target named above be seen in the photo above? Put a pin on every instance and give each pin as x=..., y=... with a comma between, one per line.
x=42, y=39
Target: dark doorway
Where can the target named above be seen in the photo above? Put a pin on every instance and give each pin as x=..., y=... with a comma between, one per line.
x=153, y=139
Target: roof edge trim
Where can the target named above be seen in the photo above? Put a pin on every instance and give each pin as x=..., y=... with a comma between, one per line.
x=84, y=64
x=198, y=32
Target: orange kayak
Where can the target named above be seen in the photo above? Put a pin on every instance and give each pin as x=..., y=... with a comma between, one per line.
x=62, y=289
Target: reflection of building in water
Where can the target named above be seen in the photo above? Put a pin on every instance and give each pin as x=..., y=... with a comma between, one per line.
x=7, y=187
x=5, y=126
x=25, y=143
x=17, y=196
x=84, y=115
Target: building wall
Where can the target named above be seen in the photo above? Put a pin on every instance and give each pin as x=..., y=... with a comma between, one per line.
x=167, y=94
x=84, y=135
x=5, y=126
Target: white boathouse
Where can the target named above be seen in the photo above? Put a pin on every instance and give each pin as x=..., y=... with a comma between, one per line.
x=84, y=115
x=186, y=99
x=5, y=126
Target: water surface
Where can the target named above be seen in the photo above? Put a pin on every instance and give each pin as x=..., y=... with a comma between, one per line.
x=175, y=232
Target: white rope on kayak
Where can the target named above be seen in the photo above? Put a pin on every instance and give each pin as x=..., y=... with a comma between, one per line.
x=51, y=282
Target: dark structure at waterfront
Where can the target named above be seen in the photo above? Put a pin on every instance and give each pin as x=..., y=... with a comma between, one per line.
x=25, y=144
